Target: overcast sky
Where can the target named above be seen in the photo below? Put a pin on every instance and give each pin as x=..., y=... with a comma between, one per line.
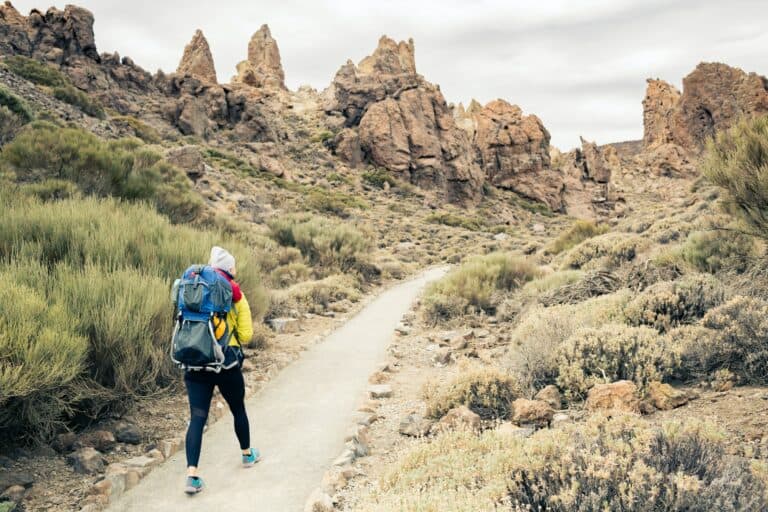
x=579, y=65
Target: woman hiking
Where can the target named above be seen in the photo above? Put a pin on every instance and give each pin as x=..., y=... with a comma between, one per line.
x=229, y=380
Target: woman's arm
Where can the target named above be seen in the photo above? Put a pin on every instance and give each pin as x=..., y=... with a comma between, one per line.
x=244, y=325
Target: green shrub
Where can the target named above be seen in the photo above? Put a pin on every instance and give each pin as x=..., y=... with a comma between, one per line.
x=486, y=391
x=77, y=98
x=477, y=285
x=42, y=356
x=10, y=125
x=97, y=275
x=577, y=233
x=334, y=203
x=741, y=335
x=604, y=464
x=608, y=250
x=137, y=128
x=551, y=281
x=457, y=221
x=322, y=136
x=610, y=353
x=52, y=189
x=535, y=341
x=329, y=244
x=35, y=71
x=737, y=161
x=668, y=304
x=15, y=105
x=292, y=273
x=712, y=251
x=378, y=178
x=121, y=168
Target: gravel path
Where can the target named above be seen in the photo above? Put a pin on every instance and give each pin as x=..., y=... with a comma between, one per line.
x=298, y=421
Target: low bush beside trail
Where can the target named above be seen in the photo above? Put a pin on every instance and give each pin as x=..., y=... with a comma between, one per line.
x=619, y=463
x=477, y=286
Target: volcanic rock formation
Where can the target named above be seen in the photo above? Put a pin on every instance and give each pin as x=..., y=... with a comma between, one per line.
x=263, y=67
x=397, y=120
x=514, y=152
x=197, y=60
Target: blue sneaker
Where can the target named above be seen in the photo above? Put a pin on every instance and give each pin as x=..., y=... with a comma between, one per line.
x=194, y=485
x=253, y=458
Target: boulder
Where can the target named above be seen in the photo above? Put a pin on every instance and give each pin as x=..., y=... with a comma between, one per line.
x=86, y=461
x=15, y=478
x=14, y=494
x=459, y=418
x=126, y=432
x=664, y=397
x=284, y=325
x=65, y=442
x=510, y=429
x=415, y=424
x=102, y=440
x=596, y=167
x=550, y=395
x=513, y=151
x=536, y=412
x=620, y=396
x=197, y=60
x=188, y=159
x=263, y=68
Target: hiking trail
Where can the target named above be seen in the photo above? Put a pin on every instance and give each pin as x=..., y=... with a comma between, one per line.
x=298, y=421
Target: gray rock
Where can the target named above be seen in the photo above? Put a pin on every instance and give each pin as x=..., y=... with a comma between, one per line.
x=415, y=425
x=86, y=461
x=127, y=433
x=442, y=356
x=284, y=325
x=380, y=391
x=12, y=478
x=14, y=494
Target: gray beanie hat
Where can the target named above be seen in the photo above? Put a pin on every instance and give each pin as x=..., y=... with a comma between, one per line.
x=221, y=259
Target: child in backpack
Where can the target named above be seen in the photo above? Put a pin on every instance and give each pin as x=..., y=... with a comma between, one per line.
x=200, y=384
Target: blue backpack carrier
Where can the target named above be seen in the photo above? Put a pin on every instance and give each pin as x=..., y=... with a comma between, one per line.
x=202, y=297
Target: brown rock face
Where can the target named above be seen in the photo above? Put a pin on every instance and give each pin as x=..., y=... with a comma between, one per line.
x=537, y=412
x=263, y=67
x=661, y=100
x=620, y=396
x=514, y=153
x=714, y=97
x=596, y=167
x=664, y=397
x=404, y=123
x=197, y=60
x=459, y=418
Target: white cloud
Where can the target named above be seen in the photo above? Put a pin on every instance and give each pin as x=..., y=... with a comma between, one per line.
x=581, y=66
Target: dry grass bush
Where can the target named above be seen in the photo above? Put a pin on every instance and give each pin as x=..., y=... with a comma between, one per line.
x=290, y=274
x=593, y=284
x=608, y=251
x=640, y=275
x=10, y=125
x=610, y=353
x=137, y=128
x=97, y=272
x=325, y=243
x=313, y=296
x=485, y=390
x=580, y=230
x=43, y=356
x=121, y=168
x=713, y=251
x=476, y=286
x=668, y=304
x=741, y=329
x=547, y=282
x=737, y=161
x=77, y=98
x=535, y=341
x=613, y=464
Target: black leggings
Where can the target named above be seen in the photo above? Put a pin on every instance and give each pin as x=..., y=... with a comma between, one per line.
x=200, y=391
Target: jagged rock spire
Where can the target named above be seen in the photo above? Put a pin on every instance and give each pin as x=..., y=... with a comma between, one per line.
x=197, y=60
x=263, y=67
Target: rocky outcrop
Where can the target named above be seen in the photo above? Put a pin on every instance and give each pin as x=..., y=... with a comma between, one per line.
x=587, y=176
x=56, y=36
x=197, y=60
x=263, y=68
x=714, y=97
x=513, y=152
x=661, y=100
x=403, y=123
